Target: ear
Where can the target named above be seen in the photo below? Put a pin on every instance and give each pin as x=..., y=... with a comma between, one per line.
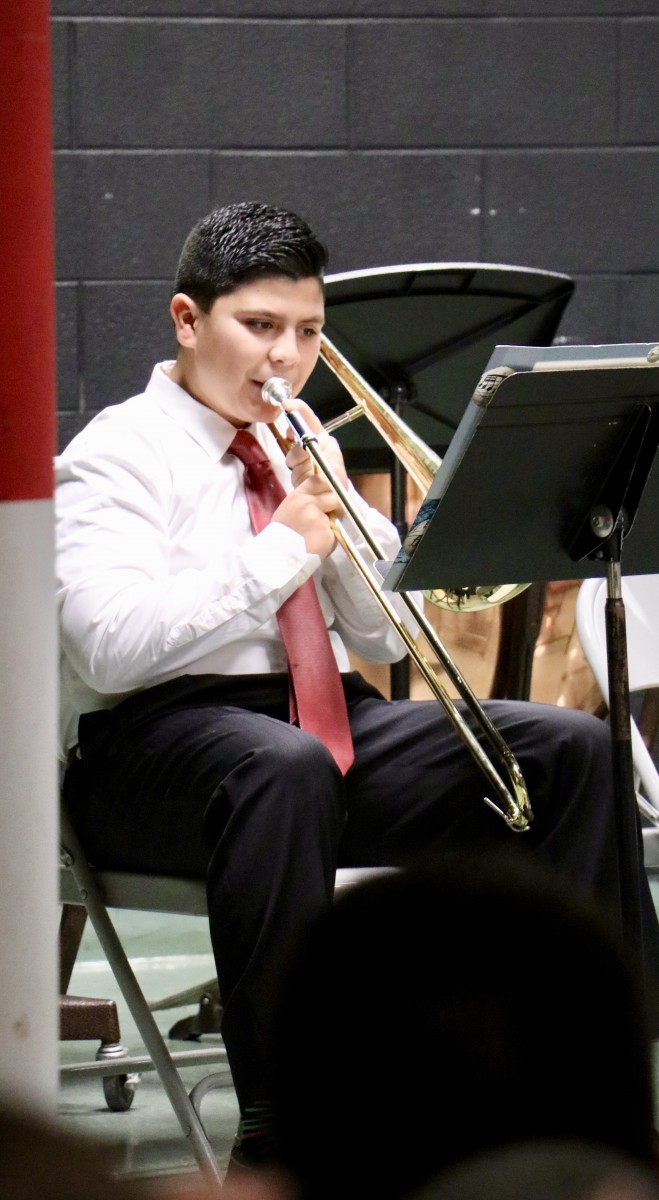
x=185, y=313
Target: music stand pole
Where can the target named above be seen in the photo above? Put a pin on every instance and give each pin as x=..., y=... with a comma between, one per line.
x=398, y=396
x=627, y=819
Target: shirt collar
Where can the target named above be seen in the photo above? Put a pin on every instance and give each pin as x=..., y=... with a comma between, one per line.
x=211, y=431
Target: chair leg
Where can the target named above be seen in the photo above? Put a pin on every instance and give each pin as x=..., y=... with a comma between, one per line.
x=648, y=720
x=207, y=1019
x=82, y=1018
x=85, y=1018
x=154, y=1042
x=188, y=1118
x=71, y=928
x=521, y=619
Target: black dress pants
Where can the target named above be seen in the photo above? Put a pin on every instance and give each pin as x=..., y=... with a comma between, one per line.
x=203, y=776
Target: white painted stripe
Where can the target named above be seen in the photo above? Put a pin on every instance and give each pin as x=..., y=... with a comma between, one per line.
x=28, y=806
x=155, y=962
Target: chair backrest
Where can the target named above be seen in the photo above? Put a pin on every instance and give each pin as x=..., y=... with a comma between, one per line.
x=641, y=599
x=641, y=596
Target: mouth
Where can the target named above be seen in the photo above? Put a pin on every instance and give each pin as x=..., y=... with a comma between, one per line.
x=260, y=399
x=271, y=403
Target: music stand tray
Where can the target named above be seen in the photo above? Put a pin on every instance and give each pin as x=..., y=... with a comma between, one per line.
x=551, y=475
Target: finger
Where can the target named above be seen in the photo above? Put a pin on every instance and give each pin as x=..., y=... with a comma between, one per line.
x=297, y=455
x=324, y=498
x=315, y=485
x=297, y=404
x=299, y=474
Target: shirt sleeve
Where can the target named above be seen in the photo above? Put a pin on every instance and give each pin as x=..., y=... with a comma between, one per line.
x=363, y=625
x=127, y=617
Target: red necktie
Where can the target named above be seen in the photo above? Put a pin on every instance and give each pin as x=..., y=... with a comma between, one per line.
x=317, y=700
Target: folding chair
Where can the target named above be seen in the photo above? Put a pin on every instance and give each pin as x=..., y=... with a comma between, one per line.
x=641, y=598
x=98, y=890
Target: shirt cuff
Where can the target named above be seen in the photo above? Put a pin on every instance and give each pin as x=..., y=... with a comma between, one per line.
x=278, y=556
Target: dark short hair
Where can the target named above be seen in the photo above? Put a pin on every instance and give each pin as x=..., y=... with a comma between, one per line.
x=241, y=242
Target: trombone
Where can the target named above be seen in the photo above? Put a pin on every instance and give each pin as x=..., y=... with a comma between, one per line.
x=421, y=464
x=514, y=806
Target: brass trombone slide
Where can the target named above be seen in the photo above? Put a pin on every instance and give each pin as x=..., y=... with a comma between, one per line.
x=419, y=460
x=515, y=808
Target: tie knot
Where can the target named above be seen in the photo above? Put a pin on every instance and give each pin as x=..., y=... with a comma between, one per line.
x=247, y=449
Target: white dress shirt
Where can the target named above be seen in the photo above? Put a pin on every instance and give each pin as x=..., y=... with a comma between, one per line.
x=159, y=571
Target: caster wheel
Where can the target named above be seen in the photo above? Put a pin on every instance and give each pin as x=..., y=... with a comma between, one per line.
x=119, y=1091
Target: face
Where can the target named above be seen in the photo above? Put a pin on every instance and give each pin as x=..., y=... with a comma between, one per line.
x=269, y=327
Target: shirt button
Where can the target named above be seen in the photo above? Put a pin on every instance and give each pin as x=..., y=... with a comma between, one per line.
x=291, y=564
x=233, y=603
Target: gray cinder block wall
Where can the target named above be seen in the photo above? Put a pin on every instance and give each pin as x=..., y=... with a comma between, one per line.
x=502, y=131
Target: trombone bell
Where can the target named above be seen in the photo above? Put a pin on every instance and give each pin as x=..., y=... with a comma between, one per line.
x=474, y=599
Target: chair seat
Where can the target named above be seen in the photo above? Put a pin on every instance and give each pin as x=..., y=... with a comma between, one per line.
x=171, y=894
x=144, y=893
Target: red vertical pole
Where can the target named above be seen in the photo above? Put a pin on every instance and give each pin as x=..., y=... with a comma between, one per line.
x=27, y=377
x=28, y=791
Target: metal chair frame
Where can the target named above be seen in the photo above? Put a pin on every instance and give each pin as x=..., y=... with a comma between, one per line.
x=99, y=890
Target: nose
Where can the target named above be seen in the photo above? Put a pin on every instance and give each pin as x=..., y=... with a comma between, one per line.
x=284, y=349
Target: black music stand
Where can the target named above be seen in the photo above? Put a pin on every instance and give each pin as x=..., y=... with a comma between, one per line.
x=550, y=476
x=421, y=334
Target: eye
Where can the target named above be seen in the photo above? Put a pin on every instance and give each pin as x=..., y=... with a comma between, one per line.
x=258, y=323
x=309, y=332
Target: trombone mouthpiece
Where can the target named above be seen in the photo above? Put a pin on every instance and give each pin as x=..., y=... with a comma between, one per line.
x=275, y=391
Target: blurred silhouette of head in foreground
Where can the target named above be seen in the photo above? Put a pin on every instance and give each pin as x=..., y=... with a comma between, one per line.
x=459, y=1005
x=545, y=1171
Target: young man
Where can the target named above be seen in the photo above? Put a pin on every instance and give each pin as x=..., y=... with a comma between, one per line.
x=182, y=560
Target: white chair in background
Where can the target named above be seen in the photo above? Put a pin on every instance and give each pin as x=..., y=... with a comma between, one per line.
x=641, y=599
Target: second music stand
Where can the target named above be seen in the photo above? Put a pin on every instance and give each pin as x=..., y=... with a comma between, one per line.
x=421, y=334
